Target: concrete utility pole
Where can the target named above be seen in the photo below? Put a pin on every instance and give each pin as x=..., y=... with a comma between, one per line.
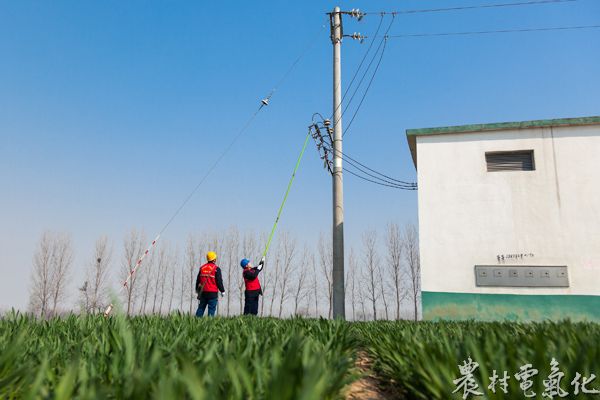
x=339, y=301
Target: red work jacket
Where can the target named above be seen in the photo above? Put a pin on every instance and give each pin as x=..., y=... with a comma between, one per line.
x=252, y=284
x=208, y=282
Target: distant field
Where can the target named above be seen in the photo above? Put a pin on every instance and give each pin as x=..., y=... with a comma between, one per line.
x=251, y=358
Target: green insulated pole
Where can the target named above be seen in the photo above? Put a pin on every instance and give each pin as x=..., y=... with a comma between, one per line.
x=287, y=192
x=338, y=188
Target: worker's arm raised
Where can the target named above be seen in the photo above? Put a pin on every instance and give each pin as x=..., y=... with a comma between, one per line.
x=261, y=264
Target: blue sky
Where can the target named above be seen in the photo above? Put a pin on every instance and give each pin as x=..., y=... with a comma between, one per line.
x=110, y=112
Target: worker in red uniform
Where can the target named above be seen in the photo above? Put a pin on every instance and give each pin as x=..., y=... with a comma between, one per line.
x=253, y=289
x=208, y=283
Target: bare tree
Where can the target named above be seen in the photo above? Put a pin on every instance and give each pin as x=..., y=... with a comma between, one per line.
x=132, y=251
x=352, y=278
x=362, y=301
x=41, y=288
x=413, y=264
x=192, y=259
x=326, y=259
x=300, y=278
x=383, y=289
x=173, y=266
x=97, y=274
x=394, y=246
x=315, y=284
x=287, y=259
x=62, y=258
x=232, y=245
x=371, y=268
x=164, y=260
x=183, y=287
x=272, y=278
x=146, y=280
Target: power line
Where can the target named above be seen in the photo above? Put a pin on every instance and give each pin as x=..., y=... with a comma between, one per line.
x=407, y=186
x=367, y=89
x=362, y=61
x=358, y=70
x=464, y=8
x=365, y=72
x=363, y=168
x=347, y=157
x=559, y=28
x=264, y=103
x=384, y=42
x=375, y=182
x=382, y=177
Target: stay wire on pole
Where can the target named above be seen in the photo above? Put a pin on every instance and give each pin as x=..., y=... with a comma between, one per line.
x=465, y=8
x=287, y=192
x=264, y=103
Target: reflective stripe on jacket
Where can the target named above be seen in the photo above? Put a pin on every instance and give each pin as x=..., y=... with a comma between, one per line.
x=207, y=281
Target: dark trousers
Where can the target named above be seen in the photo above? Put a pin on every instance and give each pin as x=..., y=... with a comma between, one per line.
x=251, y=305
x=212, y=307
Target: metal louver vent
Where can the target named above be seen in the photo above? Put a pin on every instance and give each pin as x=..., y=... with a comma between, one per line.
x=510, y=161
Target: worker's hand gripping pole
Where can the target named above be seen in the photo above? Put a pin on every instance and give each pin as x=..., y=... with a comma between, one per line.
x=287, y=192
x=132, y=272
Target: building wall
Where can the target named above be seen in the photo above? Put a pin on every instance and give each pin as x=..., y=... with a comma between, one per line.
x=468, y=217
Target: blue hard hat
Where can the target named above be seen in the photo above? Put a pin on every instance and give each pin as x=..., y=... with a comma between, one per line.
x=244, y=262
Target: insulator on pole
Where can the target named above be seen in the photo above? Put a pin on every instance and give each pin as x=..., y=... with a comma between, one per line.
x=356, y=13
x=358, y=36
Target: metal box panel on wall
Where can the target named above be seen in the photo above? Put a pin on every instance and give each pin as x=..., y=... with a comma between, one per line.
x=521, y=276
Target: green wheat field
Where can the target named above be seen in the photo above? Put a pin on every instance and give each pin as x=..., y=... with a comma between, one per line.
x=182, y=357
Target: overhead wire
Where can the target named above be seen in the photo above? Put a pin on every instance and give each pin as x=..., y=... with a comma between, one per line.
x=380, y=176
x=382, y=179
x=365, y=72
x=362, y=61
x=384, y=41
x=473, y=7
x=353, y=160
x=264, y=103
x=364, y=57
x=375, y=182
x=546, y=29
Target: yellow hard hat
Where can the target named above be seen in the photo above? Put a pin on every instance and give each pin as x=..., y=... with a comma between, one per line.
x=211, y=256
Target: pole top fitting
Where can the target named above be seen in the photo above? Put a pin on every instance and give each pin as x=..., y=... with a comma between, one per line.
x=356, y=13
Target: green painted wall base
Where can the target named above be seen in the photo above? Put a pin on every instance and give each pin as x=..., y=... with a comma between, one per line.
x=494, y=307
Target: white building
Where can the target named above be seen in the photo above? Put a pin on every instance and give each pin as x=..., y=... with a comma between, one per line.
x=509, y=219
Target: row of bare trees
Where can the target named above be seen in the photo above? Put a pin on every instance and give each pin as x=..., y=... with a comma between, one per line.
x=382, y=275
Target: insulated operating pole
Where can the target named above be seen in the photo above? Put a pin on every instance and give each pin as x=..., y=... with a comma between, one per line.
x=338, y=188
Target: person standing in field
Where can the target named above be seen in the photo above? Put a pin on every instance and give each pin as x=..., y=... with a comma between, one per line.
x=253, y=289
x=208, y=285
